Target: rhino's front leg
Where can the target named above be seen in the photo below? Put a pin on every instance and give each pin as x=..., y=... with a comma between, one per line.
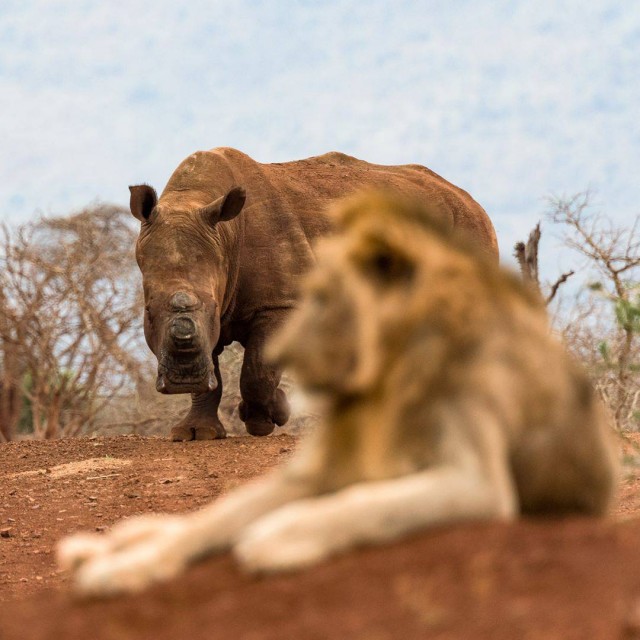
x=263, y=404
x=202, y=422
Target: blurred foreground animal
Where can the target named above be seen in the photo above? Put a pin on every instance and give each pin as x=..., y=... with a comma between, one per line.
x=447, y=398
x=221, y=251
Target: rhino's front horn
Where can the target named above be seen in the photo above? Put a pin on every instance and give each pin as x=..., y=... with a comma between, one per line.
x=183, y=332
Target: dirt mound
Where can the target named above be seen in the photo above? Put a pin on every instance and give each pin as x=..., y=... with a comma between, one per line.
x=533, y=579
x=571, y=579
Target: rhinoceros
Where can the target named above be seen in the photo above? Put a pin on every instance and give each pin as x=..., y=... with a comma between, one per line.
x=221, y=251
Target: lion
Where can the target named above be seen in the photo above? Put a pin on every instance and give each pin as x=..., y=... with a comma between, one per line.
x=447, y=400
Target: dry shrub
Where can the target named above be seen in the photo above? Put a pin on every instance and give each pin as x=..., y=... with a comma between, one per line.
x=600, y=322
x=69, y=309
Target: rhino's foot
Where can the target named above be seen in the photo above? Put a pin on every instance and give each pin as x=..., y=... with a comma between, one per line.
x=279, y=409
x=261, y=421
x=257, y=427
x=188, y=430
x=256, y=421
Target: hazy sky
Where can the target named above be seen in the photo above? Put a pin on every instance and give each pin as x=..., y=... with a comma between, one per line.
x=511, y=100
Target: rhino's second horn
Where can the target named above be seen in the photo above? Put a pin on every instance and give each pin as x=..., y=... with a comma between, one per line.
x=183, y=301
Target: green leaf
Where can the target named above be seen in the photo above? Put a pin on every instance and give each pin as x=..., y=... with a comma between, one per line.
x=627, y=315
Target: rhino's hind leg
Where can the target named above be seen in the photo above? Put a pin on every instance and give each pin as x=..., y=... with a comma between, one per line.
x=263, y=404
x=202, y=422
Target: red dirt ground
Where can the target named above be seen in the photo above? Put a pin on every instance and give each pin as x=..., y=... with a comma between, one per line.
x=533, y=579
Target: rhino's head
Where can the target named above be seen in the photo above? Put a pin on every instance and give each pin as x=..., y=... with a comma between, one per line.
x=185, y=253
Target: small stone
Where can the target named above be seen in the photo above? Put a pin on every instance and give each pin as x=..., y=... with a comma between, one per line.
x=5, y=533
x=213, y=474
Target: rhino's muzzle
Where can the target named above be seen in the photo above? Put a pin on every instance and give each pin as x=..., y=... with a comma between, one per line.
x=178, y=378
x=185, y=364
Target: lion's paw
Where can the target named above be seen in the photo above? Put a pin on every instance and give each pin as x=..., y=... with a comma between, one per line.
x=77, y=549
x=135, y=553
x=127, y=571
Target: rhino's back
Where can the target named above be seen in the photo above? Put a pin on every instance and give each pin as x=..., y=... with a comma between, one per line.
x=312, y=183
x=285, y=194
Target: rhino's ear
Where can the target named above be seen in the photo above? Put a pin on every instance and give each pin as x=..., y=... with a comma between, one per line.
x=224, y=208
x=142, y=201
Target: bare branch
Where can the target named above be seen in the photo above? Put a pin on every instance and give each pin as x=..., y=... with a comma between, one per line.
x=556, y=285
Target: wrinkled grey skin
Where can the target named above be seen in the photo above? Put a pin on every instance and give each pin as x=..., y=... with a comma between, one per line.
x=221, y=252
